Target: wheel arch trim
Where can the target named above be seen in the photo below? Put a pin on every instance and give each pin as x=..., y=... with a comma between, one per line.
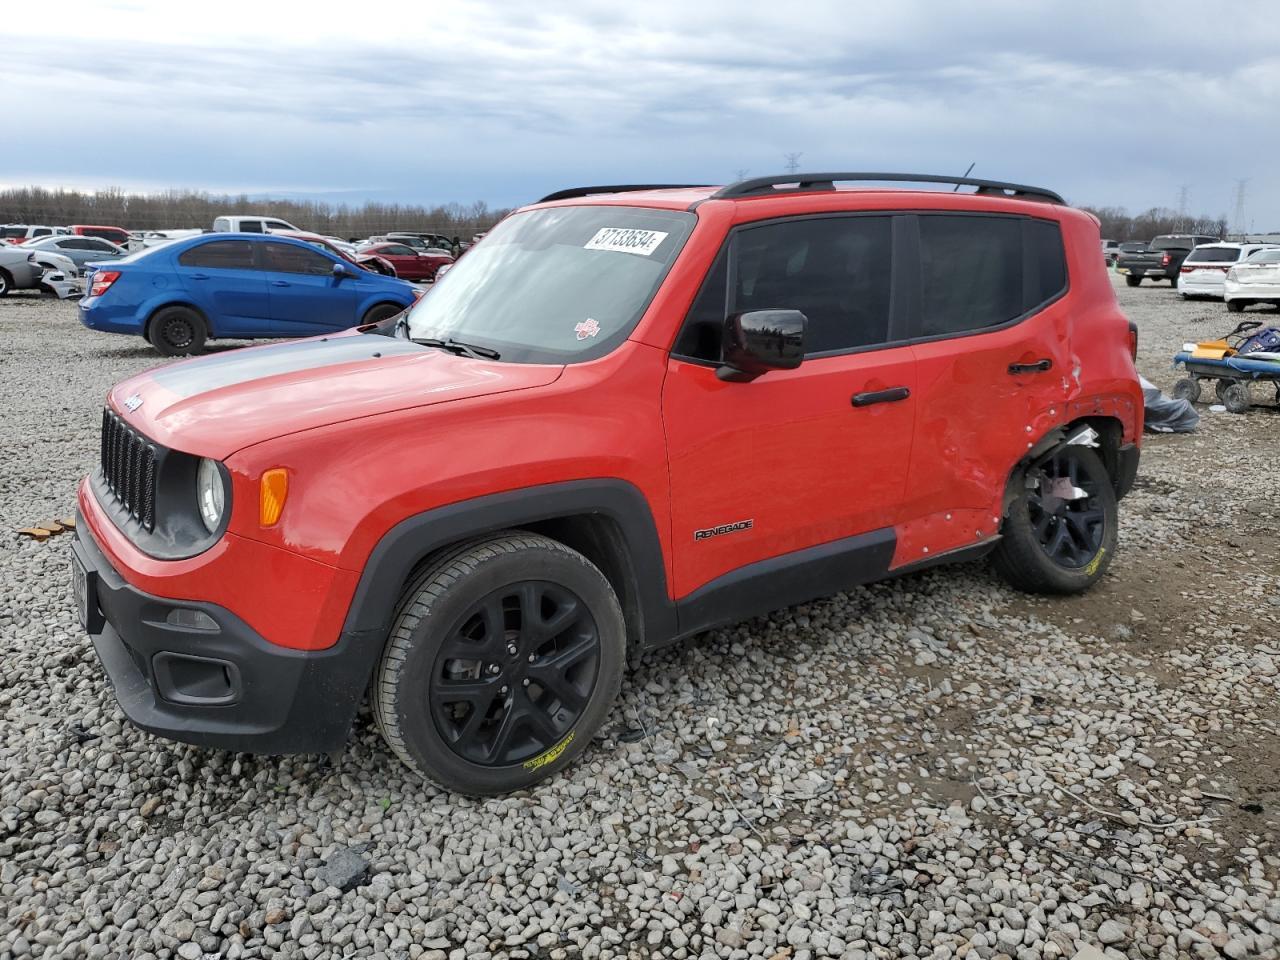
x=404, y=547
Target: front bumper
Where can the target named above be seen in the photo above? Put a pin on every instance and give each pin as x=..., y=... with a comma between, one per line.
x=219, y=684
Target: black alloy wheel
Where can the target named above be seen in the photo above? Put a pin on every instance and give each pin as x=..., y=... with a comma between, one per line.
x=504, y=659
x=1064, y=513
x=1060, y=531
x=515, y=675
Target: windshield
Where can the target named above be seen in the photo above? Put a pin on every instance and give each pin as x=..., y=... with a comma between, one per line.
x=1214, y=255
x=557, y=285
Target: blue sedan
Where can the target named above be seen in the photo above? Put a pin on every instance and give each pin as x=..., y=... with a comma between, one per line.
x=235, y=285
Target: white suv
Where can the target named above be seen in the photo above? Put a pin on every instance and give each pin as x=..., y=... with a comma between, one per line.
x=1204, y=271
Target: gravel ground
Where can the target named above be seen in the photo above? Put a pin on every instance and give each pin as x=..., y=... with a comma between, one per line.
x=931, y=767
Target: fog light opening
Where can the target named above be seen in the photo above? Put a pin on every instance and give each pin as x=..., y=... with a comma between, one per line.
x=190, y=619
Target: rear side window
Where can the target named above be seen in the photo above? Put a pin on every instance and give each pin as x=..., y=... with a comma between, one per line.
x=220, y=254
x=286, y=258
x=978, y=272
x=1214, y=255
x=834, y=270
x=278, y=225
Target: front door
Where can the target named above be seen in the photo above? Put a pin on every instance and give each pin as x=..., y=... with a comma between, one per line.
x=305, y=295
x=799, y=458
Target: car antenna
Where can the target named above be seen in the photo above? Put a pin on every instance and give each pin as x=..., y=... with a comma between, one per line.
x=956, y=188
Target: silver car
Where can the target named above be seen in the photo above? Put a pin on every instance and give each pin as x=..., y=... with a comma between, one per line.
x=18, y=269
x=80, y=250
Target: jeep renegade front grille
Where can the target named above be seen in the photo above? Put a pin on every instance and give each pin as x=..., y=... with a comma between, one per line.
x=129, y=469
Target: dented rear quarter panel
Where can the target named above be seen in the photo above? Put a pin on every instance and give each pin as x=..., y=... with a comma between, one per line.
x=976, y=421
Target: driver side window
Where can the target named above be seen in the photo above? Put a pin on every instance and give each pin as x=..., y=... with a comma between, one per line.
x=834, y=270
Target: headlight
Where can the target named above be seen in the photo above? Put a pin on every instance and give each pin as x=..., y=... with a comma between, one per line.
x=211, y=495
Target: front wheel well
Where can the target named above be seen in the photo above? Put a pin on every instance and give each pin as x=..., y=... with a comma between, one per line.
x=601, y=540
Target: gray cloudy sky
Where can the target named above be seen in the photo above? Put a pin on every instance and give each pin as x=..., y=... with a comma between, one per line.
x=422, y=101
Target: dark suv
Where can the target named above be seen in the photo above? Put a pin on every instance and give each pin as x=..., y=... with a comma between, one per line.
x=629, y=415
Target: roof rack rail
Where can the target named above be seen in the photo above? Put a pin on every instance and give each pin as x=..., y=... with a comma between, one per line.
x=572, y=192
x=827, y=181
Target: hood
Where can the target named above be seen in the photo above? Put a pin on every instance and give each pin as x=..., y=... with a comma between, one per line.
x=216, y=405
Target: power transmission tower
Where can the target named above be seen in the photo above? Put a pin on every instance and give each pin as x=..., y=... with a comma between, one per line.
x=1241, y=226
x=793, y=162
x=1183, y=193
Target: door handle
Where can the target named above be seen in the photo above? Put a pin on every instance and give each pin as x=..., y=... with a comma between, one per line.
x=1039, y=366
x=892, y=394
x=199, y=276
x=280, y=283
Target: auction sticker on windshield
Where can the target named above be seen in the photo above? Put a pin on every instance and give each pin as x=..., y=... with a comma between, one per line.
x=626, y=240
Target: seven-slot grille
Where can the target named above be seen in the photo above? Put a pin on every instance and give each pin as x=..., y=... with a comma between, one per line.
x=129, y=468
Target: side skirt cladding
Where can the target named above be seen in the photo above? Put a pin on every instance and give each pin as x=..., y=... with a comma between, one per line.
x=786, y=580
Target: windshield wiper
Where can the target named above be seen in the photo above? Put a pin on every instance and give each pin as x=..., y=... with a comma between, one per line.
x=458, y=346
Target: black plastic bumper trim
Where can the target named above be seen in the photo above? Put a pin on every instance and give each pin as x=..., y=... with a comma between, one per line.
x=281, y=701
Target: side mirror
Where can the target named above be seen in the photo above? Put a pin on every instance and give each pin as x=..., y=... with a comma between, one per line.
x=341, y=270
x=759, y=341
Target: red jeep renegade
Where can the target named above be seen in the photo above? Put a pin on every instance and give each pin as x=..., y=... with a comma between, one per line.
x=631, y=414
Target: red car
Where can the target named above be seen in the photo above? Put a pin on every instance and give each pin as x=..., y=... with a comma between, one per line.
x=117, y=235
x=370, y=261
x=621, y=420
x=410, y=264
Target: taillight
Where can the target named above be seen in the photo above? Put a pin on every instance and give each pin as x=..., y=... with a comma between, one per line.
x=1165, y=260
x=1133, y=341
x=1187, y=269
x=102, y=281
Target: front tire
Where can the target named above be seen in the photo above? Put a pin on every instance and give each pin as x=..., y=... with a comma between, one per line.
x=6, y=283
x=504, y=659
x=1061, y=530
x=178, y=332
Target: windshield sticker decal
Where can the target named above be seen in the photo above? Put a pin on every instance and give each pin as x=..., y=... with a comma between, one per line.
x=626, y=240
x=587, y=328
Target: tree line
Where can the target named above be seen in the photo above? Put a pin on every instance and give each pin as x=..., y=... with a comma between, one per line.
x=1118, y=224
x=178, y=209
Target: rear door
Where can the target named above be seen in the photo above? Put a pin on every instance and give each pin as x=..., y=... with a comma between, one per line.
x=223, y=281
x=793, y=459
x=994, y=353
x=305, y=295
